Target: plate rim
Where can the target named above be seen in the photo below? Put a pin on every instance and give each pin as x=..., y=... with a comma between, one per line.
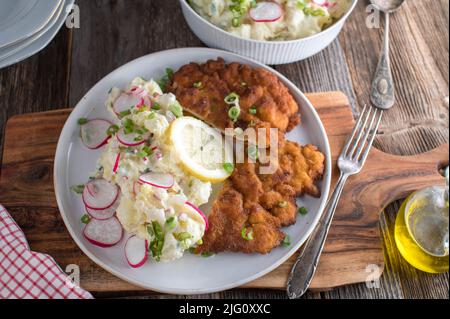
x=59, y=158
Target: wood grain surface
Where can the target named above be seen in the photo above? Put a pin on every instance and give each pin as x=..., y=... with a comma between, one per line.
x=353, y=244
x=76, y=59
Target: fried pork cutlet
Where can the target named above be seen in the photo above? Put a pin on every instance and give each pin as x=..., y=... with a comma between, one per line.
x=262, y=203
x=202, y=88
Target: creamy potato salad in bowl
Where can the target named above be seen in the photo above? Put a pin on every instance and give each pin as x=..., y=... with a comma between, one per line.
x=272, y=20
x=272, y=32
x=144, y=183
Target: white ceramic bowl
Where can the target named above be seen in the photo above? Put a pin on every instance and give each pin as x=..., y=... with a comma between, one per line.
x=191, y=274
x=267, y=52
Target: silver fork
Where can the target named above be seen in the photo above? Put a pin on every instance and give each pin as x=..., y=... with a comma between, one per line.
x=350, y=162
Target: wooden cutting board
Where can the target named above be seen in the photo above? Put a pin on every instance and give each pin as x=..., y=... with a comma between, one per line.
x=26, y=189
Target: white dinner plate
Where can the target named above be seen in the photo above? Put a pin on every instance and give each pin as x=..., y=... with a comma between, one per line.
x=33, y=47
x=191, y=274
x=21, y=19
x=10, y=50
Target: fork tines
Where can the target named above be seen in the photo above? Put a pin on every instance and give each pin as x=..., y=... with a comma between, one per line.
x=358, y=145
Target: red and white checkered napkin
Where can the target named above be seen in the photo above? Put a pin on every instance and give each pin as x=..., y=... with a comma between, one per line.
x=25, y=274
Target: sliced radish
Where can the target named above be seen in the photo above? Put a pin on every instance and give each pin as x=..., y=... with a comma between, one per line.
x=136, y=251
x=131, y=139
x=116, y=163
x=103, y=233
x=99, y=194
x=160, y=180
x=126, y=101
x=103, y=214
x=266, y=11
x=94, y=134
x=200, y=213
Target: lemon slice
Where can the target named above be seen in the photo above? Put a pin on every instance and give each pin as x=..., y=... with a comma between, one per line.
x=201, y=150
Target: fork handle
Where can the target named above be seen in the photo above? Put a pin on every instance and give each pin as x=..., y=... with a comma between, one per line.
x=305, y=266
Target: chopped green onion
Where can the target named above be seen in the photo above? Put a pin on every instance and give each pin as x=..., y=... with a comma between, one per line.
x=156, y=106
x=236, y=22
x=157, y=243
x=165, y=80
x=253, y=152
x=318, y=12
x=82, y=121
x=147, y=150
x=286, y=241
x=85, y=219
x=169, y=73
x=176, y=109
x=150, y=230
x=113, y=129
x=78, y=189
x=128, y=126
x=207, y=254
x=282, y=204
x=198, y=85
x=234, y=113
x=253, y=110
x=232, y=98
x=171, y=223
x=228, y=167
x=151, y=116
x=303, y=211
x=182, y=236
x=247, y=235
x=301, y=5
x=124, y=113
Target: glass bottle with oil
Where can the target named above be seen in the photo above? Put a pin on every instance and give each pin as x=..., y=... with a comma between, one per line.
x=421, y=229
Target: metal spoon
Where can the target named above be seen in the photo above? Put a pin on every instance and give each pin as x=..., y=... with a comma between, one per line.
x=382, y=92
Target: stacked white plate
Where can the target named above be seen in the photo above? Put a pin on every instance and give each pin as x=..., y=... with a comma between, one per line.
x=28, y=26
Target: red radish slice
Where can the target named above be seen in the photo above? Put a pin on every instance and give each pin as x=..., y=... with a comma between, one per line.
x=104, y=194
x=136, y=251
x=126, y=101
x=266, y=12
x=144, y=98
x=160, y=180
x=200, y=213
x=103, y=214
x=94, y=133
x=103, y=233
x=116, y=163
x=130, y=139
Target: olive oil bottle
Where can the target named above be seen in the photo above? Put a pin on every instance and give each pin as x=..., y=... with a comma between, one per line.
x=421, y=229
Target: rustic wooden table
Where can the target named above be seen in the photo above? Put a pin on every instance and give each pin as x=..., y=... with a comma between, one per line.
x=116, y=31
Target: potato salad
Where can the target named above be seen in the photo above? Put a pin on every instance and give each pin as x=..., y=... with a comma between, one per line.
x=272, y=20
x=139, y=184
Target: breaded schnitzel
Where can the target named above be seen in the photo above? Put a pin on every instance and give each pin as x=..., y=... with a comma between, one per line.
x=260, y=204
x=264, y=101
x=252, y=207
